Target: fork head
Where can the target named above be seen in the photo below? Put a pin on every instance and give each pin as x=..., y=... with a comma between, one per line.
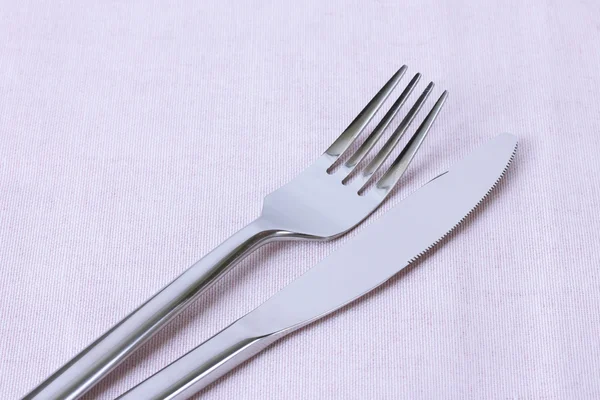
x=321, y=203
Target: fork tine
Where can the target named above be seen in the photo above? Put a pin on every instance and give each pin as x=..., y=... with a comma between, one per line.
x=374, y=136
x=392, y=142
x=362, y=119
x=401, y=163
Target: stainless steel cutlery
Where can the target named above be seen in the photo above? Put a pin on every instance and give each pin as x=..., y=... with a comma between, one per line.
x=320, y=203
x=368, y=260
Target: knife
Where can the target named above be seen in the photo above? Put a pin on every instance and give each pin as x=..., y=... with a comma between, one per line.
x=385, y=247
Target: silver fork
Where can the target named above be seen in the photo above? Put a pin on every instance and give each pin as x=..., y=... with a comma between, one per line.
x=318, y=204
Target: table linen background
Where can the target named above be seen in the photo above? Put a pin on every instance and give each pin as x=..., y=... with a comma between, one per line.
x=136, y=136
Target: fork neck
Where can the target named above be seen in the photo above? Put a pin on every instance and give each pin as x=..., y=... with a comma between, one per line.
x=257, y=233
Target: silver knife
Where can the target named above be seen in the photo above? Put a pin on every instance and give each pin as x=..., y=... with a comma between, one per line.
x=385, y=247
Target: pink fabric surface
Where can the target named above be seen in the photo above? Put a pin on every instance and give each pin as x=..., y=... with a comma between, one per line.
x=136, y=136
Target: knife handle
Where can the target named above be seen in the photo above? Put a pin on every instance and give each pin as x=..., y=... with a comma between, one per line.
x=203, y=365
x=98, y=359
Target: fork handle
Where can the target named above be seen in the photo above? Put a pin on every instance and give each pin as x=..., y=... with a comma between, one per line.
x=203, y=365
x=98, y=359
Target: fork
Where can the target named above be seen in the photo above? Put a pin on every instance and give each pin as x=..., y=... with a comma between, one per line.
x=324, y=201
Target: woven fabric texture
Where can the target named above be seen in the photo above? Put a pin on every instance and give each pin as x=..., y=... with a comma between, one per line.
x=136, y=136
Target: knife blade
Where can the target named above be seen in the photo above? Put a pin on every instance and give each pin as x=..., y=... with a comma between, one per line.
x=385, y=247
